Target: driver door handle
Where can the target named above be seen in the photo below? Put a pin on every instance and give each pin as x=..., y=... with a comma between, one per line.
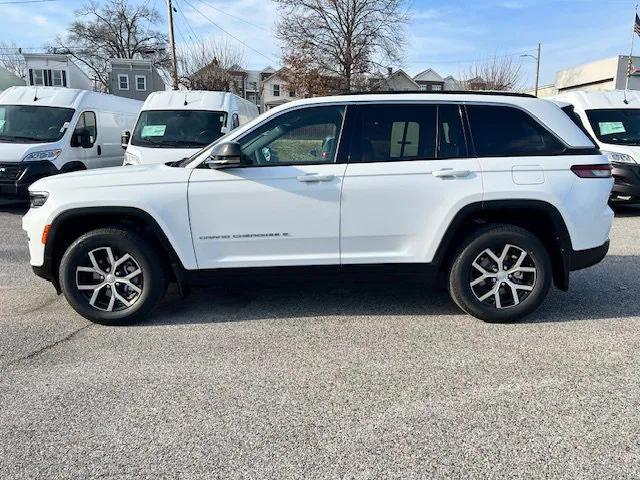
x=451, y=173
x=314, y=177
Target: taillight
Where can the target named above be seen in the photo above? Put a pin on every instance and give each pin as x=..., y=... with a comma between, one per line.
x=592, y=171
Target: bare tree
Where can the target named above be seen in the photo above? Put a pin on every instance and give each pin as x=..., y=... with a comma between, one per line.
x=209, y=65
x=344, y=38
x=11, y=58
x=305, y=78
x=495, y=73
x=116, y=29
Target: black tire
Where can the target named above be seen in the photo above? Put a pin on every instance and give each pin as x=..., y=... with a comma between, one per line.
x=143, y=255
x=495, y=237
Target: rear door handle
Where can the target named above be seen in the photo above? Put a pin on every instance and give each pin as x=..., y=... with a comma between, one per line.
x=313, y=177
x=451, y=173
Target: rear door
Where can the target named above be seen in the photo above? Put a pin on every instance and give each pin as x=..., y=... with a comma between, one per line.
x=409, y=173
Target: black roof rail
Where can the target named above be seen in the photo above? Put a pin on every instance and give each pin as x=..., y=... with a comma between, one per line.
x=442, y=92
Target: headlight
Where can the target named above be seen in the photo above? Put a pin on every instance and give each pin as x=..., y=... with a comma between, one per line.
x=616, y=157
x=131, y=159
x=43, y=155
x=37, y=199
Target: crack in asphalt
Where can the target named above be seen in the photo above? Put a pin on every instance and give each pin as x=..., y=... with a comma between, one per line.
x=45, y=348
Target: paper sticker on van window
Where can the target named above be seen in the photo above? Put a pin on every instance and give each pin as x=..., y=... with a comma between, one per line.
x=153, y=130
x=607, y=128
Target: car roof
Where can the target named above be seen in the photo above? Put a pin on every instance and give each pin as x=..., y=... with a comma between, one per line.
x=588, y=100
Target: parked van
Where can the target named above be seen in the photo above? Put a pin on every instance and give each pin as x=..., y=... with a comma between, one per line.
x=613, y=119
x=50, y=130
x=174, y=125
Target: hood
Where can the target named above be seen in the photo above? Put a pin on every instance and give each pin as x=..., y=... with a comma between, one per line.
x=148, y=155
x=15, y=152
x=101, y=178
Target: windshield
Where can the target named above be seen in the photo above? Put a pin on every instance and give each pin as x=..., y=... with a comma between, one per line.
x=31, y=124
x=616, y=126
x=178, y=128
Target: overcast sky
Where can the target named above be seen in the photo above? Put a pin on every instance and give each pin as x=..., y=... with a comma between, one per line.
x=445, y=35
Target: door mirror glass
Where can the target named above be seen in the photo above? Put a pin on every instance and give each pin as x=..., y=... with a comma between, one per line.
x=82, y=138
x=224, y=155
x=124, y=139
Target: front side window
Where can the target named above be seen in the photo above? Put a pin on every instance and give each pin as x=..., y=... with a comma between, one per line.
x=619, y=126
x=390, y=133
x=276, y=90
x=85, y=128
x=30, y=124
x=178, y=128
x=123, y=82
x=500, y=131
x=305, y=136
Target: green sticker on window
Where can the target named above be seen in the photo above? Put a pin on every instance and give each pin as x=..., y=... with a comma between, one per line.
x=607, y=128
x=153, y=130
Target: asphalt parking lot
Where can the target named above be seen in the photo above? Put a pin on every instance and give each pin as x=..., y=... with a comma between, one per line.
x=361, y=382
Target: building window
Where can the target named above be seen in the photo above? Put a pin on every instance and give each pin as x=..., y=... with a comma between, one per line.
x=123, y=82
x=276, y=90
x=38, y=77
x=436, y=88
x=292, y=93
x=423, y=87
x=141, y=83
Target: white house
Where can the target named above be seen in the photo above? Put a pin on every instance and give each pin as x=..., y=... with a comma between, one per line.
x=396, y=81
x=275, y=91
x=55, y=70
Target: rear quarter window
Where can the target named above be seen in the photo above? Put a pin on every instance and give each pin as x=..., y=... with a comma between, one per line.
x=502, y=131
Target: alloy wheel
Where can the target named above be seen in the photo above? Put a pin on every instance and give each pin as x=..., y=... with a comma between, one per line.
x=112, y=281
x=504, y=278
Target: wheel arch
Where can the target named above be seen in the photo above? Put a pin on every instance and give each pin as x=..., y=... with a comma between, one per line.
x=539, y=217
x=70, y=224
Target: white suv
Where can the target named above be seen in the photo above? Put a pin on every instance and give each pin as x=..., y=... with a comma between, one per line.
x=500, y=195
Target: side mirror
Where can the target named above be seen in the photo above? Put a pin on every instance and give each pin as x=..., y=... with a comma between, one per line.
x=124, y=139
x=224, y=155
x=82, y=138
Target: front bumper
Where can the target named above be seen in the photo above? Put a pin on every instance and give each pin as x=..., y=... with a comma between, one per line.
x=627, y=180
x=16, y=177
x=580, y=259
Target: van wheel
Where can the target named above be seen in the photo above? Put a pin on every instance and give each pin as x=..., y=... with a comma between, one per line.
x=113, y=276
x=501, y=274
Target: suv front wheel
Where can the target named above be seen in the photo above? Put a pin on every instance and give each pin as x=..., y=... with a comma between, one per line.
x=113, y=276
x=500, y=274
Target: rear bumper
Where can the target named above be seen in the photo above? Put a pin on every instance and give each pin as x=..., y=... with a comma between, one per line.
x=16, y=178
x=627, y=180
x=580, y=259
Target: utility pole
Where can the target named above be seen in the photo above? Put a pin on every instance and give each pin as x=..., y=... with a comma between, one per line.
x=172, y=47
x=537, y=59
x=537, y=67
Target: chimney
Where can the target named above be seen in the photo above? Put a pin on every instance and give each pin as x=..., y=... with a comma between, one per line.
x=389, y=71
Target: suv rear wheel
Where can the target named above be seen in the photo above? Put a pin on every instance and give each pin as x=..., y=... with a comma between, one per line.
x=500, y=274
x=113, y=276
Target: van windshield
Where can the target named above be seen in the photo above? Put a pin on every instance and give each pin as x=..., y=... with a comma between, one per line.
x=616, y=126
x=178, y=128
x=31, y=124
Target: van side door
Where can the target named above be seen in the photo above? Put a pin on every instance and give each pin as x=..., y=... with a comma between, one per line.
x=409, y=172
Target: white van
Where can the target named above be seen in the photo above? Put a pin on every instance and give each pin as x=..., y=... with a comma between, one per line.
x=613, y=119
x=50, y=130
x=174, y=125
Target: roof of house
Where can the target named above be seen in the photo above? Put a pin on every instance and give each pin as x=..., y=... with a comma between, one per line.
x=428, y=75
x=398, y=73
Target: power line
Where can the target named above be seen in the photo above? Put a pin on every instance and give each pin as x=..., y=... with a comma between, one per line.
x=490, y=57
x=236, y=17
x=231, y=35
x=186, y=21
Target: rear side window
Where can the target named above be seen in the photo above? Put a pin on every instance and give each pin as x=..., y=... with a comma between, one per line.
x=575, y=118
x=500, y=131
x=391, y=133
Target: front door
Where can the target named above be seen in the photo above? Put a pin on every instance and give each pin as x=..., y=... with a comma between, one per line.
x=282, y=207
x=409, y=173
x=88, y=153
